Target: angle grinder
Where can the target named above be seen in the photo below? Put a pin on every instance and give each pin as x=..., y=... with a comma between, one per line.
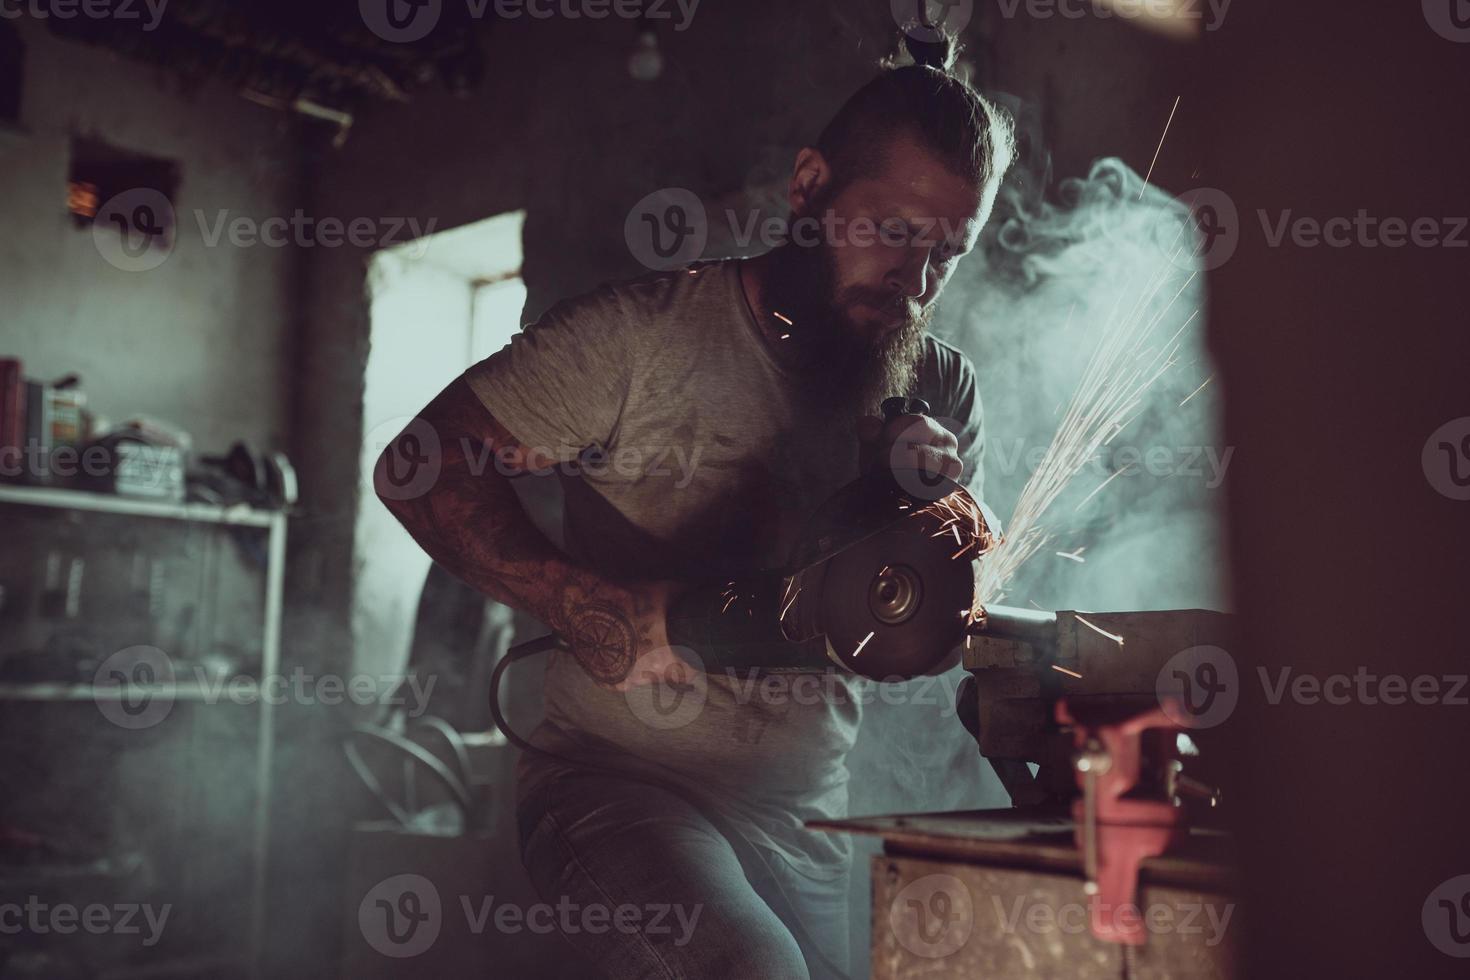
x=881, y=584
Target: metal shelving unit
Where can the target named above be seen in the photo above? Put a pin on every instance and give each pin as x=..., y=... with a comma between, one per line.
x=274, y=523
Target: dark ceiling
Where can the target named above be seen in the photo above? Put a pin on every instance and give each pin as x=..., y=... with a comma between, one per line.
x=293, y=52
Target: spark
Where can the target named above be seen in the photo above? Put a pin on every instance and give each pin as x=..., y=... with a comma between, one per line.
x=957, y=538
x=1063, y=670
x=1073, y=555
x=1197, y=390
x=1101, y=485
x=789, y=602
x=783, y=318
x=1158, y=148
x=1099, y=630
x=728, y=603
x=864, y=643
x=786, y=336
x=1033, y=602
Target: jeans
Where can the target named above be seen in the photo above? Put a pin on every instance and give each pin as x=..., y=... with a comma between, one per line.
x=653, y=887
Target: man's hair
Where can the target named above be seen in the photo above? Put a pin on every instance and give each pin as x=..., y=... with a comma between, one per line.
x=926, y=102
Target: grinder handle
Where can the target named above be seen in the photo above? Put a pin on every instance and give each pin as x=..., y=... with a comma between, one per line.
x=898, y=405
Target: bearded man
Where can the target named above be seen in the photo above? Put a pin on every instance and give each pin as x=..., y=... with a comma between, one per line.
x=763, y=375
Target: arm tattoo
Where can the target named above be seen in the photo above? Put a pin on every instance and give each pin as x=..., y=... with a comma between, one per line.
x=471, y=522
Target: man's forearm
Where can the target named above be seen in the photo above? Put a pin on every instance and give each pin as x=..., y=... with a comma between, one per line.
x=471, y=522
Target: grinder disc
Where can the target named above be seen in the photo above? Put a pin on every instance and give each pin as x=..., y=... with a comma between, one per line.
x=896, y=602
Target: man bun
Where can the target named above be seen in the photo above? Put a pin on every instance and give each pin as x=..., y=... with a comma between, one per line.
x=926, y=47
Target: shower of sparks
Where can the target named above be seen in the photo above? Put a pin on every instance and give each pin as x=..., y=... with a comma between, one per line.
x=1158, y=148
x=1100, y=631
x=1197, y=390
x=1121, y=372
x=863, y=644
x=1073, y=555
x=1063, y=670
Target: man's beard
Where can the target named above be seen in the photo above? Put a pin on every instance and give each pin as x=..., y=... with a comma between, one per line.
x=845, y=370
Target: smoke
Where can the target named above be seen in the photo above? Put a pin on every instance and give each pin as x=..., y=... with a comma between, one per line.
x=1029, y=310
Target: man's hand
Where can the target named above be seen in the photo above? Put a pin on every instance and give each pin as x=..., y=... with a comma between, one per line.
x=909, y=442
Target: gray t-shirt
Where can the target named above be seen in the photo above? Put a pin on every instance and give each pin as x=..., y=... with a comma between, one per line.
x=699, y=457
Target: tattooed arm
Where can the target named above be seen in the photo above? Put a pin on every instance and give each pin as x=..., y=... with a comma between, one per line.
x=468, y=519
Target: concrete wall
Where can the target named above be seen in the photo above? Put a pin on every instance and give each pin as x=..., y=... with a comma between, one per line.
x=204, y=340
